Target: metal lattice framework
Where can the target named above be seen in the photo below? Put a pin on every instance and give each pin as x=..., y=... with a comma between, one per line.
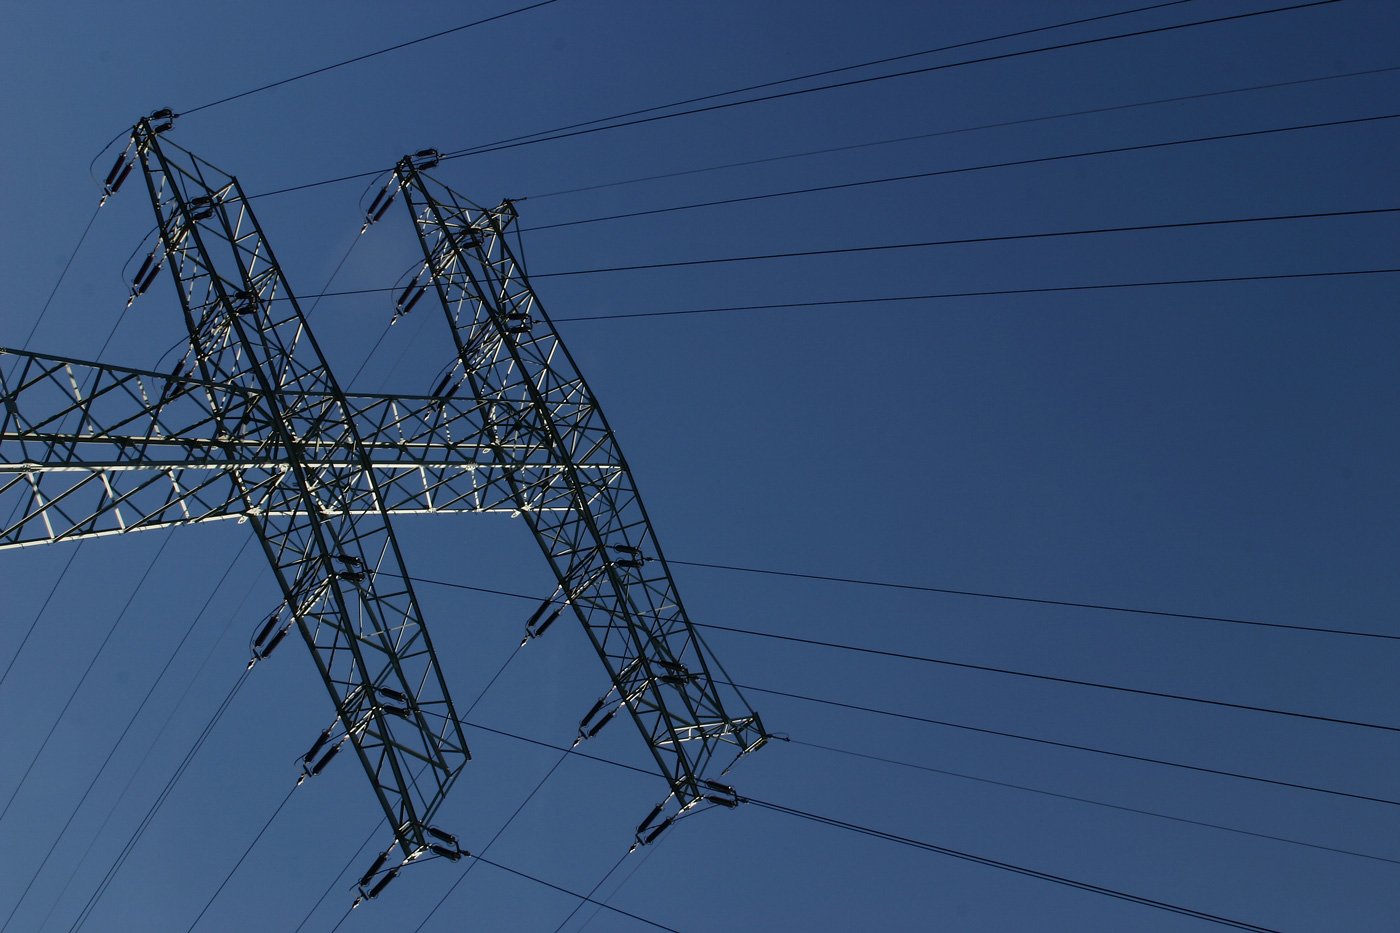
x=251, y=425
x=600, y=544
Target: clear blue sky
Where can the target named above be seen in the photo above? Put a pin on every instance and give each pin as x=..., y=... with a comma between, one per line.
x=1223, y=449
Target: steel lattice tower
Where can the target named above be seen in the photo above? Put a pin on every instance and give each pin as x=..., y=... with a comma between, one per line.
x=251, y=425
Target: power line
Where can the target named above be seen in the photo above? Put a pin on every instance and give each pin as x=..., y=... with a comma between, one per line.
x=1082, y=748
x=563, y=748
x=1088, y=800
x=343, y=917
x=140, y=830
x=1103, y=607
x=964, y=665
x=61, y=276
x=592, y=891
x=954, y=853
x=53, y=590
x=997, y=292
x=92, y=662
x=238, y=864
x=497, y=147
x=1050, y=678
x=338, y=875
x=131, y=721
x=359, y=58
x=504, y=826
x=952, y=725
x=964, y=241
x=932, y=589
x=1007, y=866
x=650, y=851
x=1003, y=124
x=915, y=176
x=381, y=822
x=983, y=780
x=588, y=898
x=582, y=897
x=986, y=781
x=831, y=71
x=543, y=136
x=627, y=767
x=172, y=709
x=531, y=796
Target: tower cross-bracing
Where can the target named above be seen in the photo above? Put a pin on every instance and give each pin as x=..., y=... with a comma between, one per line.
x=251, y=425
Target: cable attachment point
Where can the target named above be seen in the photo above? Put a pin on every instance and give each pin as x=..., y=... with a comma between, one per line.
x=608, y=705
x=201, y=208
x=721, y=795
x=631, y=557
x=505, y=214
x=173, y=387
x=380, y=205
x=318, y=748
x=424, y=159
x=117, y=174
x=632, y=682
x=518, y=322
x=447, y=846
x=368, y=887
x=537, y=623
x=267, y=638
x=648, y=829
x=146, y=275
x=407, y=300
x=162, y=119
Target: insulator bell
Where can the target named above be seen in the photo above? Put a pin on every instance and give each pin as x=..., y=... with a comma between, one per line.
x=374, y=869
x=265, y=631
x=150, y=266
x=380, y=205
x=410, y=297
x=317, y=745
x=603, y=722
x=549, y=620
x=425, y=159
x=325, y=760
x=114, y=171
x=276, y=640
x=380, y=885
x=162, y=119
x=651, y=836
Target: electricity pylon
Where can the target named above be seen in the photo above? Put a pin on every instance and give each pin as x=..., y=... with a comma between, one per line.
x=595, y=535
x=251, y=425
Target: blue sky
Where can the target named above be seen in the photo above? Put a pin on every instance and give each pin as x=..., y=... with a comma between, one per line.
x=1214, y=449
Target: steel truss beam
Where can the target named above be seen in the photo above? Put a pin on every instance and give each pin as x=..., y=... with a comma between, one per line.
x=274, y=435
x=90, y=449
x=511, y=361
